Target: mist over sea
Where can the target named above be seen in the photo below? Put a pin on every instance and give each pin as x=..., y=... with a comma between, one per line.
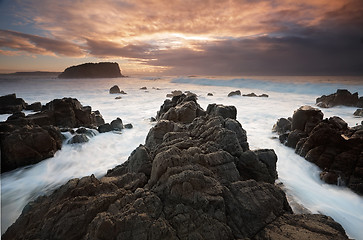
x=299, y=178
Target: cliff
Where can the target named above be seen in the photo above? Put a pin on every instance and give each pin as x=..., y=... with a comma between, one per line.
x=92, y=70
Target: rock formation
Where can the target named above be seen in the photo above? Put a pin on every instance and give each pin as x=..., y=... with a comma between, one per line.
x=329, y=143
x=92, y=70
x=11, y=104
x=192, y=179
x=234, y=93
x=26, y=140
x=341, y=97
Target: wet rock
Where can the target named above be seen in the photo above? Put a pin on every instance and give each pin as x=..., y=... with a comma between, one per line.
x=330, y=144
x=221, y=110
x=117, y=124
x=78, y=138
x=105, y=128
x=114, y=90
x=143, y=88
x=22, y=146
x=10, y=104
x=282, y=126
x=234, y=93
x=358, y=112
x=305, y=118
x=209, y=94
x=341, y=97
x=117, y=98
x=88, y=132
x=189, y=181
x=128, y=126
x=174, y=93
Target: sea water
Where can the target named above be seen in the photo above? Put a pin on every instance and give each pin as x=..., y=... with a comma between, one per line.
x=299, y=178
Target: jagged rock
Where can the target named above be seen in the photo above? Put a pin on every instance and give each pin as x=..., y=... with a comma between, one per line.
x=234, y=93
x=330, y=144
x=11, y=104
x=92, y=70
x=174, y=93
x=21, y=146
x=341, y=97
x=358, y=112
x=182, y=108
x=114, y=90
x=88, y=132
x=184, y=183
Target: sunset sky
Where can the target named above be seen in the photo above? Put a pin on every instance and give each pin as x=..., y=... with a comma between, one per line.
x=209, y=37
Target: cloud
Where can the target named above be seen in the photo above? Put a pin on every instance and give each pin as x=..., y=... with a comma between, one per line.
x=38, y=45
x=201, y=37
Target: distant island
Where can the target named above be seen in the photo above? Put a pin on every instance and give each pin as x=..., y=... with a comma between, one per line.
x=92, y=70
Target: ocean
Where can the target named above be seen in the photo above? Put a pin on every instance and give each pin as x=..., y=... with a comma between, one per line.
x=299, y=178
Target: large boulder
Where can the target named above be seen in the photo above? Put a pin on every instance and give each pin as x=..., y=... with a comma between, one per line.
x=10, y=104
x=341, y=97
x=329, y=143
x=21, y=146
x=115, y=89
x=92, y=70
x=186, y=182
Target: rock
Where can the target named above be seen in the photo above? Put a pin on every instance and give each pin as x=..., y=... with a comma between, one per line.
x=174, y=93
x=143, y=88
x=282, y=126
x=250, y=95
x=105, y=128
x=123, y=92
x=92, y=70
x=182, y=108
x=234, y=93
x=88, y=132
x=36, y=107
x=114, y=90
x=329, y=143
x=22, y=146
x=360, y=102
x=263, y=95
x=341, y=97
x=78, y=138
x=358, y=112
x=128, y=126
x=66, y=112
x=118, y=97
x=117, y=124
x=221, y=110
x=184, y=183
x=209, y=94
x=305, y=118
x=311, y=226
x=10, y=104
x=152, y=119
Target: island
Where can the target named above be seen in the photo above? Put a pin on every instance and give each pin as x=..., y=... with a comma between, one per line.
x=92, y=70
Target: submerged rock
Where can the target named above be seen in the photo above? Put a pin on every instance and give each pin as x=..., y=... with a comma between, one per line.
x=92, y=70
x=358, y=112
x=191, y=180
x=78, y=138
x=329, y=143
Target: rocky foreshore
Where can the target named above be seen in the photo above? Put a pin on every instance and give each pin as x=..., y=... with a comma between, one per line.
x=194, y=178
x=329, y=143
x=26, y=140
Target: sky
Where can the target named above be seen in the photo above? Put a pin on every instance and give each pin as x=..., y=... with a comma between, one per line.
x=184, y=37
